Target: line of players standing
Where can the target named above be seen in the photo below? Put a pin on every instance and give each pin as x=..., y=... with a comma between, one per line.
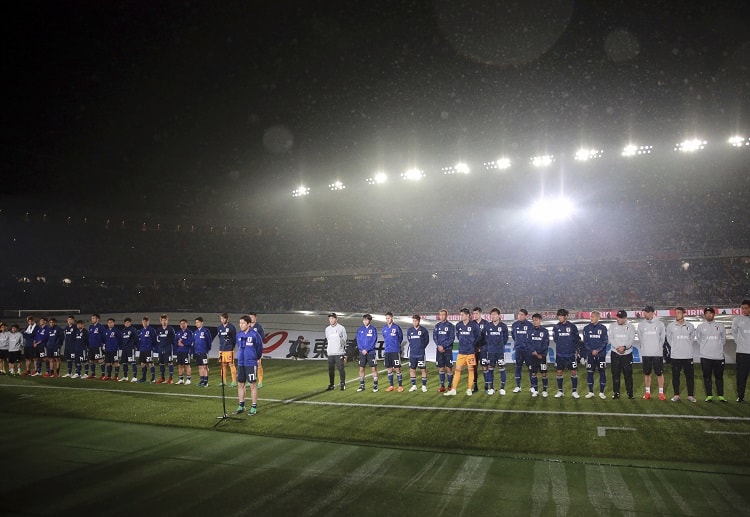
x=120, y=353
x=482, y=343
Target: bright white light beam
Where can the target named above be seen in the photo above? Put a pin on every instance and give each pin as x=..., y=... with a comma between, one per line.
x=552, y=210
x=690, y=146
x=542, y=161
x=413, y=174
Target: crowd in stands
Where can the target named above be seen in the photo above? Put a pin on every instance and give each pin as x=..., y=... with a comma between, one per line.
x=652, y=237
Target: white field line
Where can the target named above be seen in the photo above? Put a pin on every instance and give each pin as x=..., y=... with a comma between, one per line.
x=397, y=407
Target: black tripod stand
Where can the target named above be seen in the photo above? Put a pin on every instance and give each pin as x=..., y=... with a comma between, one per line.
x=224, y=415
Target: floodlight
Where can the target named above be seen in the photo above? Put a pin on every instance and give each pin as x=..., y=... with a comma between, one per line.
x=380, y=177
x=547, y=210
x=583, y=155
x=690, y=146
x=739, y=141
x=301, y=191
x=542, y=161
x=460, y=168
x=500, y=164
x=413, y=174
x=337, y=185
x=633, y=150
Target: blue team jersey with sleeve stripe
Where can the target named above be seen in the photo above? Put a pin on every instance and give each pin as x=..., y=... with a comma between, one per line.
x=186, y=338
x=112, y=339
x=595, y=337
x=418, y=338
x=393, y=336
x=367, y=338
x=444, y=334
x=202, y=340
x=468, y=337
x=495, y=336
x=249, y=348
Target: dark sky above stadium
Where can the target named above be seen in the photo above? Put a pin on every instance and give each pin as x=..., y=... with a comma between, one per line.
x=142, y=94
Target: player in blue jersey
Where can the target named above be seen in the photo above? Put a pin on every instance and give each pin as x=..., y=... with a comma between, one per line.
x=227, y=339
x=112, y=344
x=96, y=342
x=183, y=348
x=467, y=332
x=367, y=338
x=165, y=342
x=478, y=317
x=68, y=341
x=418, y=338
x=128, y=350
x=595, y=339
x=539, y=348
x=28, y=345
x=566, y=339
x=493, y=352
x=81, y=342
x=444, y=334
x=249, y=351
x=393, y=336
x=41, y=335
x=147, y=348
x=520, y=331
x=54, y=346
x=202, y=339
x=257, y=327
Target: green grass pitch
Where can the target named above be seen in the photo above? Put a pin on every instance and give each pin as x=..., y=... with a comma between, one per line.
x=313, y=452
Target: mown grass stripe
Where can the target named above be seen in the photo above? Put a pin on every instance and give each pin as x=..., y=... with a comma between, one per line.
x=618, y=490
x=674, y=494
x=559, y=480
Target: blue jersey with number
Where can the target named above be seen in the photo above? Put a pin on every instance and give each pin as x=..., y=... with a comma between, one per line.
x=418, y=338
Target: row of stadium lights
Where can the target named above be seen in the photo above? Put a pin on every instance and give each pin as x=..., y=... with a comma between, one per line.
x=582, y=155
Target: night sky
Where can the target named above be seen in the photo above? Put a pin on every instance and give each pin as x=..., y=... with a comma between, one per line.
x=146, y=95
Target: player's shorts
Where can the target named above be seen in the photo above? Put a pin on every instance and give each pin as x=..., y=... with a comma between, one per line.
x=226, y=357
x=75, y=355
x=28, y=352
x=444, y=359
x=40, y=352
x=392, y=360
x=466, y=360
x=128, y=355
x=538, y=365
x=201, y=359
x=247, y=374
x=565, y=363
x=95, y=353
x=14, y=356
x=417, y=363
x=165, y=357
x=523, y=356
x=53, y=352
x=147, y=357
x=183, y=357
x=597, y=362
x=492, y=359
x=110, y=357
x=655, y=363
x=367, y=359
x=4, y=353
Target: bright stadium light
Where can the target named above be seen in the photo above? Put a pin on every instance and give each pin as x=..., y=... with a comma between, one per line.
x=459, y=168
x=380, y=177
x=337, y=185
x=739, y=141
x=633, y=150
x=499, y=164
x=584, y=155
x=542, y=161
x=550, y=210
x=413, y=174
x=301, y=191
x=690, y=146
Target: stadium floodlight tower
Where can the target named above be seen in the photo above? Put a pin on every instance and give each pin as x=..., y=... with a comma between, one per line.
x=459, y=168
x=550, y=210
x=584, y=155
x=336, y=185
x=379, y=178
x=691, y=146
x=739, y=141
x=301, y=191
x=542, y=161
x=635, y=150
x=500, y=164
x=413, y=174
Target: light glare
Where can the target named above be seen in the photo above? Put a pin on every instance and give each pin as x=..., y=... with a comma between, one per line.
x=413, y=174
x=301, y=191
x=542, y=161
x=691, y=146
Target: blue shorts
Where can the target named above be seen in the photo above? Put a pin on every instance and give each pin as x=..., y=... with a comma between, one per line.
x=492, y=359
x=183, y=357
x=444, y=359
x=367, y=359
x=523, y=356
x=417, y=363
x=563, y=363
x=392, y=360
x=247, y=374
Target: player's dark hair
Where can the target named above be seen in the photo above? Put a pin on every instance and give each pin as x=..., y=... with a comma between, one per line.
x=465, y=310
x=246, y=319
x=524, y=312
x=495, y=309
x=389, y=313
x=416, y=317
x=536, y=315
x=477, y=309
